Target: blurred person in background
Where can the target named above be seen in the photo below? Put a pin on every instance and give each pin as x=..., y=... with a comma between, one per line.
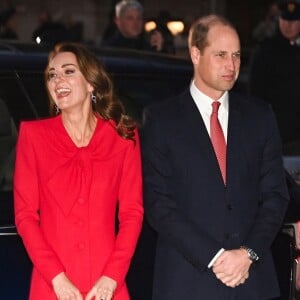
x=130, y=34
x=8, y=24
x=75, y=173
x=268, y=26
x=49, y=31
x=162, y=27
x=275, y=72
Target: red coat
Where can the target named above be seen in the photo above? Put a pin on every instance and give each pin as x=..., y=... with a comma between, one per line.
x=66, y=199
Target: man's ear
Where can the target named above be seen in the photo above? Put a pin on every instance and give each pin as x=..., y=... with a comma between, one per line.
x=195, y=55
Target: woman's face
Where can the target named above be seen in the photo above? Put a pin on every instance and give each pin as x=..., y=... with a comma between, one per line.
x=66, y=84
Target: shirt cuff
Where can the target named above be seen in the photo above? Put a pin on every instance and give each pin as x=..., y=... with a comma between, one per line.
x=211, y=263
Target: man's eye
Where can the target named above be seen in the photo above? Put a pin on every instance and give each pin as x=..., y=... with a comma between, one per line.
x=220, y=54
x=237, y=55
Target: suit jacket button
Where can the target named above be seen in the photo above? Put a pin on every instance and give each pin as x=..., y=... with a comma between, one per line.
x=81, y=246
x=81, y=201
x=79, y=223
x=229, y=206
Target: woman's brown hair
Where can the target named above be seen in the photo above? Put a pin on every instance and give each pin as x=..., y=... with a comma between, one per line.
x=106, y=104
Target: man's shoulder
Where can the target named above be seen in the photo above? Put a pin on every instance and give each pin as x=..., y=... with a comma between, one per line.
x=171, y=103
x=248, y=102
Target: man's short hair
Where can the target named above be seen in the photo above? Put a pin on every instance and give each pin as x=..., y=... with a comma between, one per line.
x=122, y=6
x=200, y=28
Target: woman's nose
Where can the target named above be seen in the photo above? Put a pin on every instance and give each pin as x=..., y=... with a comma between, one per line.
x=59, y=76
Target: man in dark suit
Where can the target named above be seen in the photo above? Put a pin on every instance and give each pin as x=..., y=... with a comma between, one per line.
x=214, y=184
x=274, y=72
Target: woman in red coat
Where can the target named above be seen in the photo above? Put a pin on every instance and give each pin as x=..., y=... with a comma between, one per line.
x=74, y=172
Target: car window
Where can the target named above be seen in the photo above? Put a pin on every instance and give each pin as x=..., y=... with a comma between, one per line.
x=14, y=95
x=139, y=91
x=8, y=136
x=34, y=85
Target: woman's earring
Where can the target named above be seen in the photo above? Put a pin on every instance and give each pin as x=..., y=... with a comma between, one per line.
x=56, y=109
x=93, y=97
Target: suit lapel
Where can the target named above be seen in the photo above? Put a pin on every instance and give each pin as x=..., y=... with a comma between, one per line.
x=234, y=142
x=198, y=137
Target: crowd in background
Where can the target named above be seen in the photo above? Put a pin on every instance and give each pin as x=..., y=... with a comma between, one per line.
x=48, y=30
x=272, y=65
x=52, y=29
x=125, y=29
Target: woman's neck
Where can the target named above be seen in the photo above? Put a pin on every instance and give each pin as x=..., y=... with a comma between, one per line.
x=80, y=127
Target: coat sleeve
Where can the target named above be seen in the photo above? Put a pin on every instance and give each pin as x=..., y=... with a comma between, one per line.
x=26, y=205
x=130, y=215
x=274, y=197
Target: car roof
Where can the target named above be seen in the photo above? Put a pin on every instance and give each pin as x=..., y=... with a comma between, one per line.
x=30, y=56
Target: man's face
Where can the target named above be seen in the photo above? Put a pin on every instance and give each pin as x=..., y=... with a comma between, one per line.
x=289, y=29
x=216, y=68
x=130, y=23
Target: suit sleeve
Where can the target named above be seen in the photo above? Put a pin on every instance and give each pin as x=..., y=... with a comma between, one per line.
x=274, y=197
x=26, y=204
x=160, y=206
x=130, y=215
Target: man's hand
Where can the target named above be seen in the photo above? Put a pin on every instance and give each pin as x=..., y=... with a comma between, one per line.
x=65, y=289
x=232, y=267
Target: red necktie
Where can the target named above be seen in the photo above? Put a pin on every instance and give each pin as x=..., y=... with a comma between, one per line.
x=218, y=139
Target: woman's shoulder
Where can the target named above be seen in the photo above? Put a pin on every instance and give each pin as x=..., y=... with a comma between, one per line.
x=107, y=139
x=37, y=124
x=39, y=127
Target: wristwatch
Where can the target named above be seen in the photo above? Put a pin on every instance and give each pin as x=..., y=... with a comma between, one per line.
x=251, y=253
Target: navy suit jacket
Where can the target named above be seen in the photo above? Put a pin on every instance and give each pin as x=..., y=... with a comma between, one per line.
x=193, y=212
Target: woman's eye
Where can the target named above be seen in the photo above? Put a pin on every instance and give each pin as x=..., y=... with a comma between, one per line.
x=51, y=76
x=69, y=71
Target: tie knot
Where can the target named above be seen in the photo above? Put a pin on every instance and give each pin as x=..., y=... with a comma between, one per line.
x=215, y=106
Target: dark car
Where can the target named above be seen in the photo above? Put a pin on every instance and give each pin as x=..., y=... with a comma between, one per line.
x=140, y=79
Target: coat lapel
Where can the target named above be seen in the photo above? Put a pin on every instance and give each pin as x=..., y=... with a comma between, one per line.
x=234, y=141
x=198, y=136
x=189, y=114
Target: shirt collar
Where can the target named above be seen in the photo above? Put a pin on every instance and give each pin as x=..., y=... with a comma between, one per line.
x=204, y=102
x=295, y=42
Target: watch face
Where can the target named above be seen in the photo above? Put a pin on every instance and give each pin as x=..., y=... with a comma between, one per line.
x=252, y=255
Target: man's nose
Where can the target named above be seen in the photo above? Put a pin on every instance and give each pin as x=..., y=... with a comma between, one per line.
x=230, y=63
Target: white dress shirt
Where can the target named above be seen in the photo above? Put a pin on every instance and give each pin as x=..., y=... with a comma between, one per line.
x=204, y=104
